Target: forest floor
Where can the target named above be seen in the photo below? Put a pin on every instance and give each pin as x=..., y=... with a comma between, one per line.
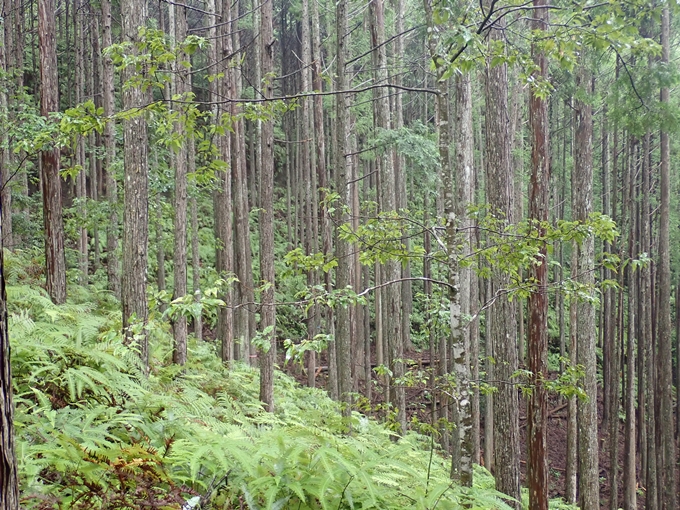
x=419, y=407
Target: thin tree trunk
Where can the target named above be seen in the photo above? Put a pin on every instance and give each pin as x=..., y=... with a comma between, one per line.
x=489, y=448
x=244, y=290
x=5, y=153
x=571, y=476
x=343, y=276
x=629, y=453
x=267, y=276
x=180, y=87
x=112, y=264
x=646, y=333
x=612, y=344
x=669, y=496
x=307, y=161
x=81, y=179
x=223, y=197
x=392, y=321
x=195, y=257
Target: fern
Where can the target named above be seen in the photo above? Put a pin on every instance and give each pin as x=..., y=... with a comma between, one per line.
x=94, y=432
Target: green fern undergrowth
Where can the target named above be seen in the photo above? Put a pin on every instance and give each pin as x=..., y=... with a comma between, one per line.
x=94, y=432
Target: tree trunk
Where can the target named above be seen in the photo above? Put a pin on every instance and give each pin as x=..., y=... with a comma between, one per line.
x=320, y=153
x=612, y=342
x=629, y=213
x=343, y=277
x=500, y=189
x=195, y=256
x=55, y=261
x=81, y=179
x=268, y=313
x=669, y=496
x=392, y=320
x=112, y=264
x=136, y=214
x=180, y=86
x=582, y=197
x=539, y=203
x=456, y=214
x=5, y=152
x=223, y=198
x=646, y=331
x=9, y=484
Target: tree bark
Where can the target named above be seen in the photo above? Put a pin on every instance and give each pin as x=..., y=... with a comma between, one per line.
x=136, y=185
x=9, y=483
x=55, y=261
x=629, y=213
x=646, y=331
x=456, y=214
x=539, y=203
x=343, y=277
x=267, y=276
x=582, y=196
x=180, y=86
x=5, y=152
x=392, y=315
x=81, y=179
x=669, y=496
x=500, y=189
x=223, y=198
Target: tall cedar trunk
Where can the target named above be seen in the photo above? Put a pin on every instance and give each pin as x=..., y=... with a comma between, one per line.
x=223, y=197
x=646, y=333
x=268, y=313
x=669, y=496
x=195, y=259
x=95, y=139
x=343, y=277
x=244, y=317
x=356, y=311
x=180, y=85
x=677, y=361
x=629, y=212
x=307, y=158
x=392, y=321
x=444, y=142
x=611, y=344
x=55, y=260
x=81, y=179
x=9, y=483
x=539, y=202
x=400, y=170
x=500, y=189
x=5, y=153
x=320, y=161
x=160, y=249
x=582, y=197
x=571, y=471
x=136, y=191
x=459, y=278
